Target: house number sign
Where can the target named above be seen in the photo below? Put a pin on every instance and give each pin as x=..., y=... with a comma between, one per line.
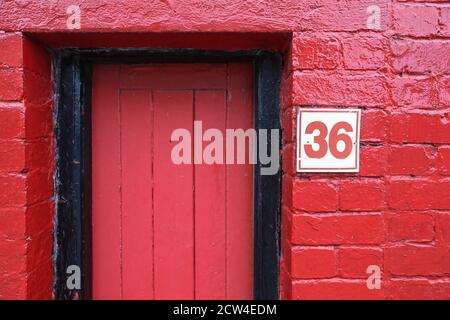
x=328, y=140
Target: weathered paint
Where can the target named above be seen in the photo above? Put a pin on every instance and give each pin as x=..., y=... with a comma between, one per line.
x=193, y=15
x=394, y=213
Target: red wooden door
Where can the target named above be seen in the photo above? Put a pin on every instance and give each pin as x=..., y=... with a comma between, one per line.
x=161, y=230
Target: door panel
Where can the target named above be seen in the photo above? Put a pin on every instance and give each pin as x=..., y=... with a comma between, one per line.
x=136, y=190
x=106, y=184
x=174, y=203
x=210, y=205
x=239, y=179
x=160, y=230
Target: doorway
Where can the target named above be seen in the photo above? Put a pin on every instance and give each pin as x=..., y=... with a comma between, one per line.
x=197, y=231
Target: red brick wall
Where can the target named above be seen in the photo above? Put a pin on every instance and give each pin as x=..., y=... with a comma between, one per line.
x=26, y=169
x=394, y=214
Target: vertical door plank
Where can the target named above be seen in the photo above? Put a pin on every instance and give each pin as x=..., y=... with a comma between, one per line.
x=106, y=196
x=173, y=199
x=239, y=186
x=137, y=215
x=210, y=108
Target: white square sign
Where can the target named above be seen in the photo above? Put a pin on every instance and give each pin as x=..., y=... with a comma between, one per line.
x=328, y=140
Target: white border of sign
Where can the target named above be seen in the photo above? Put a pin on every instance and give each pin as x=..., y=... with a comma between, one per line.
x=358, y=125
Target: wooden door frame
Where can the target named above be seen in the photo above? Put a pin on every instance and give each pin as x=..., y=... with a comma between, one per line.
x=72, y=237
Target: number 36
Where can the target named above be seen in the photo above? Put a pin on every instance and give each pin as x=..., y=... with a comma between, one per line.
x=321, y=140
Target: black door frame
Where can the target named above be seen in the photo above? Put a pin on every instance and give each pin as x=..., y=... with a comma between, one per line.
x=72, y=243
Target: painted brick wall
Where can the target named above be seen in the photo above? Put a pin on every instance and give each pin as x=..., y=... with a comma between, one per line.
x=26, y=169
x=394, y=214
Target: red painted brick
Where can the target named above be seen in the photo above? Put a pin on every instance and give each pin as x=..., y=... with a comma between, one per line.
x=39, y=218
x=39, y=247
x=415, y=92
x=334, y=290
x=443, y=90
x=11, y=49
x=373, y=161
x=337, y=229
x=353, y=262
x=39, y=154
x=410, y=160
x=39, y=122
x=315, y=51
x=285, y=282
x=12, y=223
x=364, y=52
x=13, y=287
x=419, y=194
x=220, y=16
x=418, y=289
x=40, y=185
x=12, y=190
x=415, y=226
x=422, y=1
x=286, y=252
x=431, y=1
x=288, y=123
x=12, y=156
x=288, y=159
x=417, y=261
x=40, y=281
x=12, y=121
x=373, y=125
x=340, y=89
x=17, y=156
x=286, y=245
x=11, y=84
x=313, y=263
x=12, y=259
x=36, y=58
x=37, y=89
x=443, y=228
x=415, y=20
x=361, y=195
x=419, y=128
x=445, y=21
x=286, y=188
x=314, y=196
x=421, y=56
x=286, y=92
x=344, y=16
